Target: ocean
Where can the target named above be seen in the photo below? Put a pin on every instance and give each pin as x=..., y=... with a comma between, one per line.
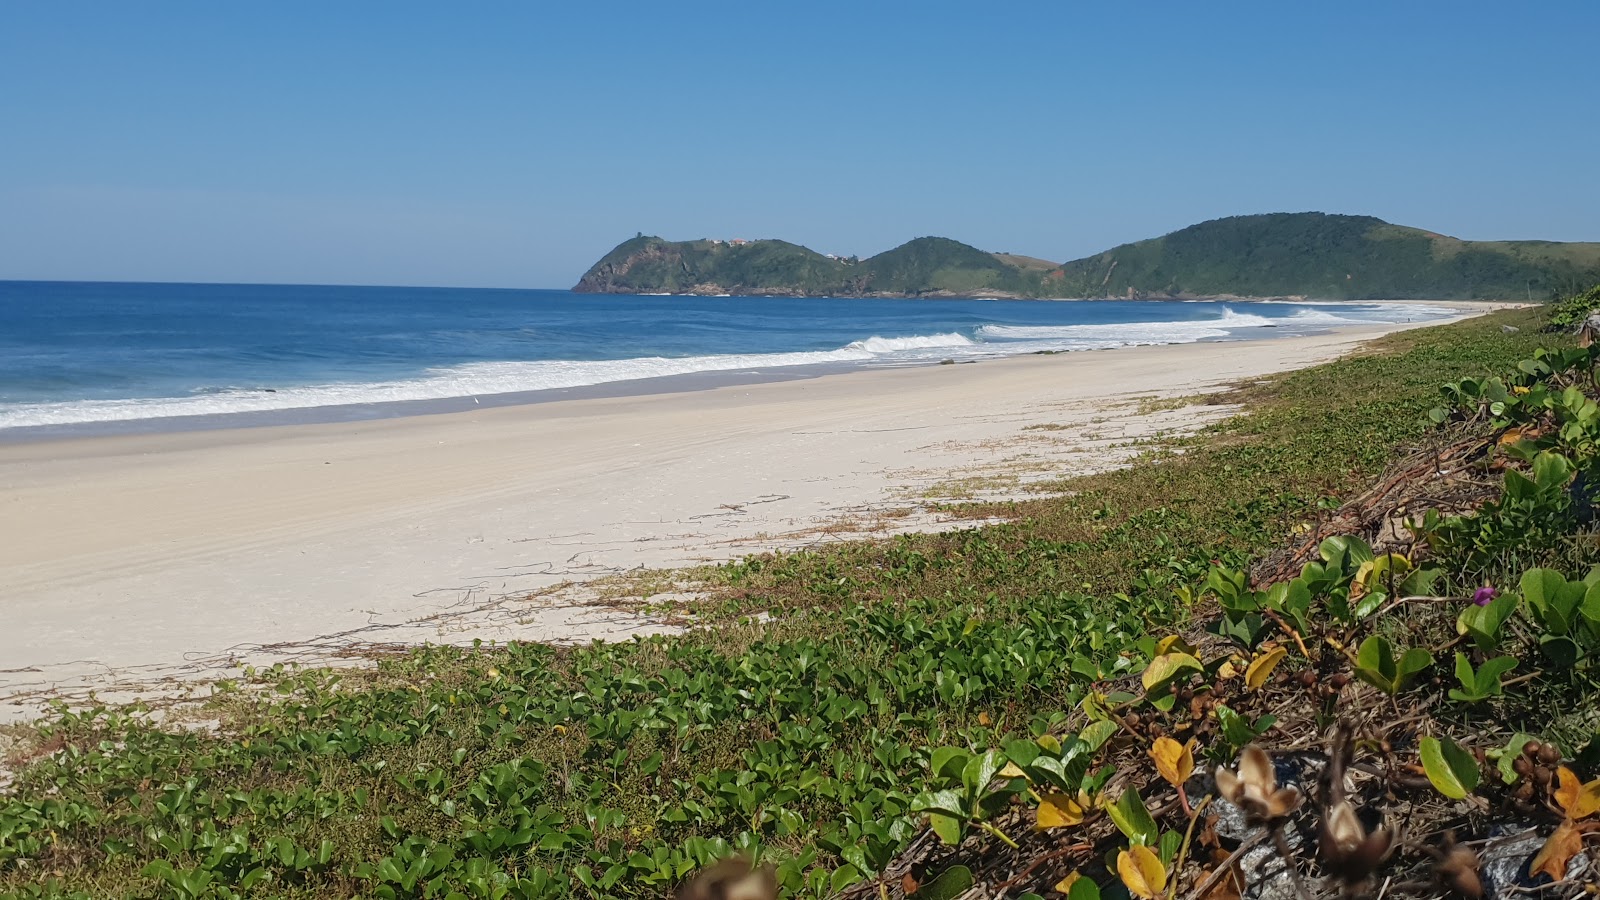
x=109, y=357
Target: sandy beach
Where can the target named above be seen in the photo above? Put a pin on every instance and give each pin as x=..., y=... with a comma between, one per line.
x=133, y=561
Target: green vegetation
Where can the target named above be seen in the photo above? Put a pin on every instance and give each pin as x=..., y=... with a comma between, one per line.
x=1573, y=310
x=937, y=266
x=1332, y=257
x=889, y=685
x=1281, y=254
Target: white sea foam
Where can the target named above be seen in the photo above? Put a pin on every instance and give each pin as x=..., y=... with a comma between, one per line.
x=917, y=342
x=1123, y=334
x=469, y=380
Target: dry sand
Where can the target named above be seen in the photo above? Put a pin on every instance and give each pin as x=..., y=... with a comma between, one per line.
x=135, y=560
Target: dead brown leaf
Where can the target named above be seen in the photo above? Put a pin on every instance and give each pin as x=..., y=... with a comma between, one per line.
x=1558, y=851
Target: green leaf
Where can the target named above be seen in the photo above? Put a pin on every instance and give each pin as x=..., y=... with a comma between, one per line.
x=1551, y=598
x=1464, y=673
x=1562, y=651
x=1167, y=847
x=1133, y=819
x=1095, y=734
x=842, y=877
x=1375, y=664
x=948, y=828
x=947, y=801
x=1413, y=661
x=980, y=770
x=1551, y=470
x=1488, y=680
x=1452, y=770
x=951, y=883
x=1084, y=889
x=947, y=762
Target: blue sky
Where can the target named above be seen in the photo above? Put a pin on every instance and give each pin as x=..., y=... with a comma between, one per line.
x=511, y=144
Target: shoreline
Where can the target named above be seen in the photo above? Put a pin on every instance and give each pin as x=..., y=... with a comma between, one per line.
x=142, y=563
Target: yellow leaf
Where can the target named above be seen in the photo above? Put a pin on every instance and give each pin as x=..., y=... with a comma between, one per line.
x=1011, y=771
x=1173, y=643
x=1226, y=671
x=1065, y=884
x=1577, y=800
x=984, y=720
x=1512, y=435
x=1141, y=870
x=1363, y=572
x=1174, y=761
x=1058, y=811
x=1557, y=852
x=1166, y=667
x=1050, y=743
x=1260, y=668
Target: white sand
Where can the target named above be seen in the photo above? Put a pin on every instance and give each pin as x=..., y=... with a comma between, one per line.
x=127, y=560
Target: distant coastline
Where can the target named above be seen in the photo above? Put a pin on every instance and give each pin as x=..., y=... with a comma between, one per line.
x=1297, y=257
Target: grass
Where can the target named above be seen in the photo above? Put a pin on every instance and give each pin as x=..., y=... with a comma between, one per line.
x=804, y=733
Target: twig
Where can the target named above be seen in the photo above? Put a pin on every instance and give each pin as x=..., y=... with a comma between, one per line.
x=1522, y=678
x=1183, y=853
x=1289, y=630
x=1027, y=873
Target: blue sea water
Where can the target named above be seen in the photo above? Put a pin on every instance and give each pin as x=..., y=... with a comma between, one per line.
x=74, y=354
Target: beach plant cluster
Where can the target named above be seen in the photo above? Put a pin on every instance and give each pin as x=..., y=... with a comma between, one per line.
x=1348, y=645
x=1572, y=310
x=1050, y=670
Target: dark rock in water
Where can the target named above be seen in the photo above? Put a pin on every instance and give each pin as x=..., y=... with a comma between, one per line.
x=1505, y=860
x=947, y=362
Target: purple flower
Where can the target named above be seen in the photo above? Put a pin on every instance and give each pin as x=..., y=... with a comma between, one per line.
x=1483, y=595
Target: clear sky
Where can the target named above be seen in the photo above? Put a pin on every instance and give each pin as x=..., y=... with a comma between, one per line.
x=511, y=144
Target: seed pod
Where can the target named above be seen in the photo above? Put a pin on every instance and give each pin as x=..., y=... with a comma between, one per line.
x=1524, y=792
x=1542, y=776
x=1339, y=681
x=1549, y=755
x=1531, y=749
x=1131, y=720
x=1308, y=678
x=1523, y=766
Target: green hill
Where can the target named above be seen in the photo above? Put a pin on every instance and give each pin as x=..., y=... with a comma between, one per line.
x=1313, y=255
x=1331, y=257
x=928, y=266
